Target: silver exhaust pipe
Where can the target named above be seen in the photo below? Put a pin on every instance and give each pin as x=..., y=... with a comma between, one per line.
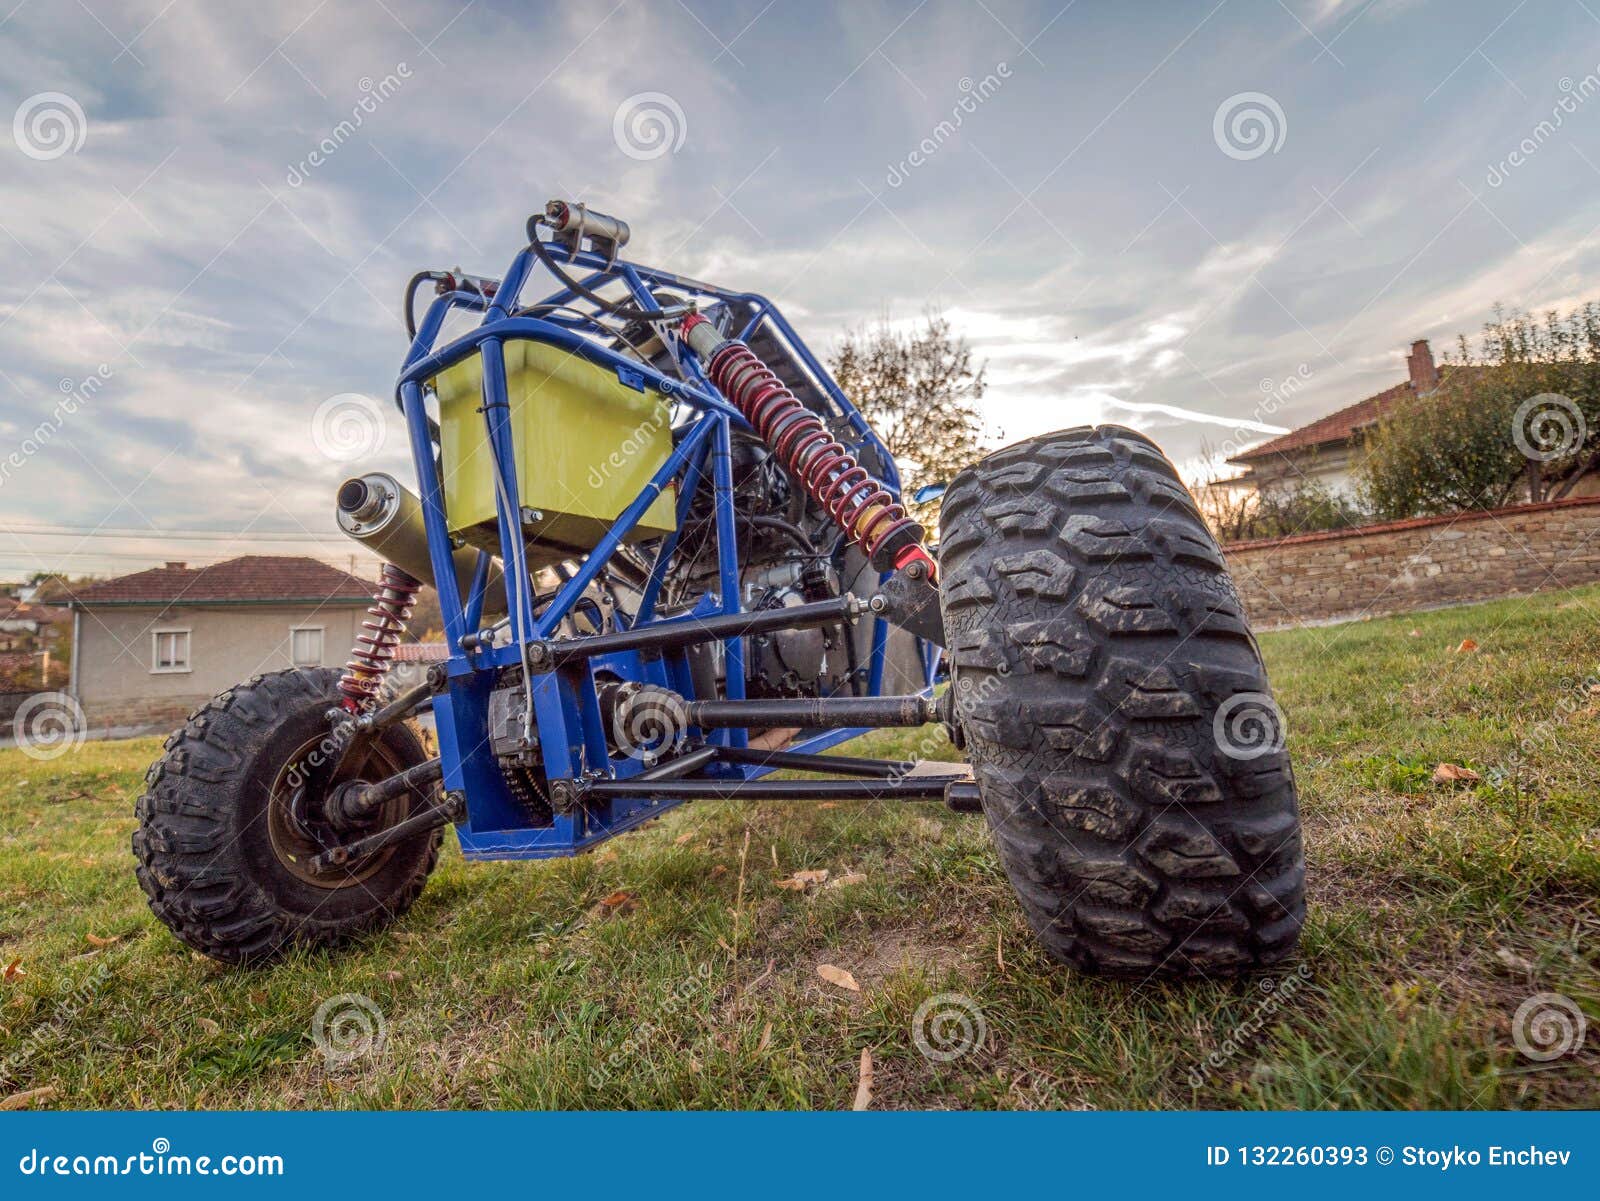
x=385, y=516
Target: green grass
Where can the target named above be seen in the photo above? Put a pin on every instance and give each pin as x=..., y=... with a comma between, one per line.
x=1435, y=911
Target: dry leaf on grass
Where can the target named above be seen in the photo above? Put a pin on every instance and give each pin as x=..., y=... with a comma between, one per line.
x=96, y=941
x=720, y=869
x=1449, y=773
x=1513, y=961
x=620, y=901
x=863, y=1082
x=1466, y=647
x=847, y=878
x=14, y=969
x=394, y=977
x=800, y=881
x=1414, y=634
x=682, y=838
x=828, y=805
x=838, y=976
x=766, y=1038
x=209, y=1026
x=34, y=1096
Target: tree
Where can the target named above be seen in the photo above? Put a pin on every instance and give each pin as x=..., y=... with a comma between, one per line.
x=919, y=389
x=1519, y=421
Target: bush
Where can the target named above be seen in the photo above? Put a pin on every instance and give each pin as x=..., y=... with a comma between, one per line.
x=1519, y=421
x=1277, y=512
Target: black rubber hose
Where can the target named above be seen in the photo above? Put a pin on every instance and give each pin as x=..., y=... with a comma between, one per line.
x=624, y=311
x=411, y=299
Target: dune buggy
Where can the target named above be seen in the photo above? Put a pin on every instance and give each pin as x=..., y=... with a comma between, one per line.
x=673, y=561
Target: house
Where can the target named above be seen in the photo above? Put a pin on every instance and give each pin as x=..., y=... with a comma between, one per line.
x=150, y=647
x=35, y=632
x=1329, y=450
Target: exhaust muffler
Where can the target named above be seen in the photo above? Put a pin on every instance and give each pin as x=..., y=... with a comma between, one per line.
x=386, y=517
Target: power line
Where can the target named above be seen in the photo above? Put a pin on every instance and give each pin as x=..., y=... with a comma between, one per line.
x=126, y=533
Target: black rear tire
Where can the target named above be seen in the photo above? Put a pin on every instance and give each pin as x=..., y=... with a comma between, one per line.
x=1117, y=712
x=216, y=858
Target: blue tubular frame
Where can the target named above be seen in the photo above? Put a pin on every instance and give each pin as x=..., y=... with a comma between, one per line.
x=566, y=706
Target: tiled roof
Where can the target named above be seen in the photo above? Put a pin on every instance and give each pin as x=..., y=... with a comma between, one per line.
x=15, y=610
x=1335, y=427
x=249, y=578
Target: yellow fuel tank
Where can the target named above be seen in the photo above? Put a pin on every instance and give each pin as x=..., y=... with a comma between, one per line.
x=586, y=445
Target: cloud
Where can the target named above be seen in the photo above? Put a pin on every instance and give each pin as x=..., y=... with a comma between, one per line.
x=1138, y=274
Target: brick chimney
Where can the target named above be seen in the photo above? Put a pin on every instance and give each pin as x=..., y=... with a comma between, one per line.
x=171, y=566
x=1424, y=374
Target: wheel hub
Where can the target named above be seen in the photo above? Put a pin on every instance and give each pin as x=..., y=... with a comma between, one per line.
x=305, y=817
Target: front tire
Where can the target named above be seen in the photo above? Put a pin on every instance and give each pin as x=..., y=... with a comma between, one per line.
x=1117, y=712
x=222, y=848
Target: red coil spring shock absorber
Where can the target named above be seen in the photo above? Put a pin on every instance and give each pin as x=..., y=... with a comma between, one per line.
x=863, y=508
x=374, y=649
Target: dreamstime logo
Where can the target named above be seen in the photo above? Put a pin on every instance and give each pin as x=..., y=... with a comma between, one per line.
x=948, y=1026
x=1573, y=696
x=651, y=723
x=649, y=124
x=48, y=125
x=349, y=1027
x=1248, y=125
x=374, y=92
x=1547, y=1026
x=973, y=94
x=1275, y=997
x=1574, y=93
x=1548, y=426
x=691, y=989
x=48, y=725
x=1249, y=725
x=348, y=426
x=75, y=394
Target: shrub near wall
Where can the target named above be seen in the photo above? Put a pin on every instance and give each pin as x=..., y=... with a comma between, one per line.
x=1420, y=564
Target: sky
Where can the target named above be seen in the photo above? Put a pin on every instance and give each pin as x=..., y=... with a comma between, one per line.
x=1211, y=221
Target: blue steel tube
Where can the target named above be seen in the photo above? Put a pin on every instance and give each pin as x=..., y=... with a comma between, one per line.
x=728, y=566
x=433, y=517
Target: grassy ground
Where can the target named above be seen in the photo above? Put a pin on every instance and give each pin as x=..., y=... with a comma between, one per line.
x=1436, y=910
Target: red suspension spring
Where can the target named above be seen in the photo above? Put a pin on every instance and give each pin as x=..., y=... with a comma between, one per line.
x=374, y=649
x=867, y=511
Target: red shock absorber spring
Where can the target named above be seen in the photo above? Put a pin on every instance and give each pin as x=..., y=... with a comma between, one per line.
x=374, y=649
x=864, y=509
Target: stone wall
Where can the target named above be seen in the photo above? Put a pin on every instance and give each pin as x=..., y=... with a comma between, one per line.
x=1424, y=563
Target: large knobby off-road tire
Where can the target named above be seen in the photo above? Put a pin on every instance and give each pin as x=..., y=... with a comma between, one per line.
x=218, y=856
x=1117, y=713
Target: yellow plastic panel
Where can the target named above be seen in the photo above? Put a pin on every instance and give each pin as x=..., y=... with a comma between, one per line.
x=586, y=445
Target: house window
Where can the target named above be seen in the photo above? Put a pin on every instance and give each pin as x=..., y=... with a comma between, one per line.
x=169, y=650
x=305, y=646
